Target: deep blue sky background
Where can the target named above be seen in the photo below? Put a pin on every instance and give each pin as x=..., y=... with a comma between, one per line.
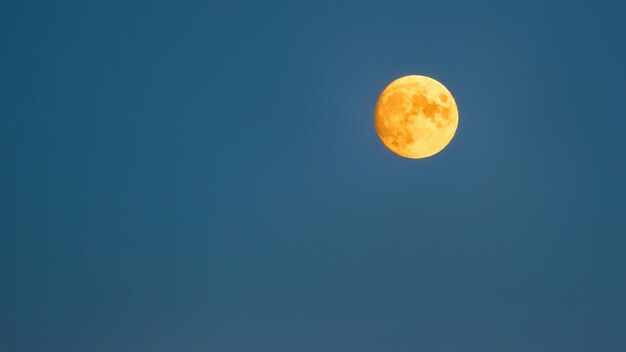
x=205, y=176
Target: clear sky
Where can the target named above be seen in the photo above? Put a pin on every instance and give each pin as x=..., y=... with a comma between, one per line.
x=205, y=176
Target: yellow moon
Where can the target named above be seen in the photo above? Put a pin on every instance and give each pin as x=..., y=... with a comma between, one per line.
x=416, y=117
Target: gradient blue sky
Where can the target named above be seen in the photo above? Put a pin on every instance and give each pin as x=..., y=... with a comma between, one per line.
x=205, y=176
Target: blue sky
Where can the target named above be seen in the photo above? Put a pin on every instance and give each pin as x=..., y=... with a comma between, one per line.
x=205, y=176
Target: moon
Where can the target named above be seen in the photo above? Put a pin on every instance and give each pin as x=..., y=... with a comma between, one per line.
x=416, y=117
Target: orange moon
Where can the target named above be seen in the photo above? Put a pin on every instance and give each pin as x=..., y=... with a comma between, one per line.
x=416, y=117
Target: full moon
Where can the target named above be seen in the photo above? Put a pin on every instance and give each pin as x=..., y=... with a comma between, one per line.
x=416, y=117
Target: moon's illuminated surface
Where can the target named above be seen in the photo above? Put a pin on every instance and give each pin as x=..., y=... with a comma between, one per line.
x=416, y=117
